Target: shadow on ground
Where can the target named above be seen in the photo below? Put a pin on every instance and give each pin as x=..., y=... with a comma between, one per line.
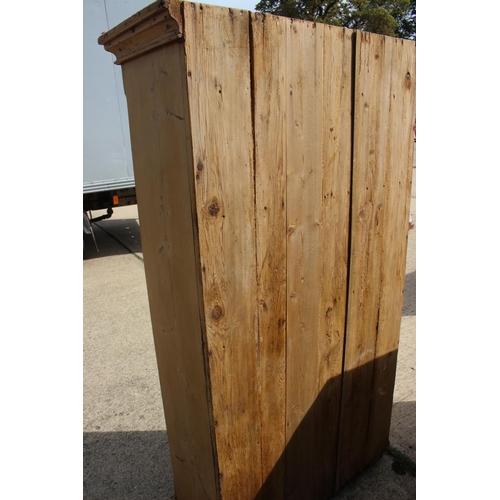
x=410, y=295
x=113, y=237
x=137, y=466
x=126, y=466
x=404, y=428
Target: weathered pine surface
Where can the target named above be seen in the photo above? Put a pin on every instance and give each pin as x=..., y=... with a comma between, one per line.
x=273, y=164
x=219, y=84
x=269, y=57
x=384, y=107
x=160, y=127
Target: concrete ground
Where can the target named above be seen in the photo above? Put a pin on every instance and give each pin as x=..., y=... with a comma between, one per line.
x=125, y=442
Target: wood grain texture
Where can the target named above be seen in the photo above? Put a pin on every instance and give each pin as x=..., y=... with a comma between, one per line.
x=219, y=82
x=304, y=201
x=335, y=219
x=273, y=167
x=302, y=101
x=269, y=86
x=318, y=202
x=400, y=120
x=383, y=121
x=159, y=123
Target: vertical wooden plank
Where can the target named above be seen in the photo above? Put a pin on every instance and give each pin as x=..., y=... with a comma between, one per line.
x=269, y=77
x=383, y=118
x=334, y=230
x=219, y=84
x=304, y=201
x=314, y=96
x=155, y=85
x=400, y=120
x=371, y=75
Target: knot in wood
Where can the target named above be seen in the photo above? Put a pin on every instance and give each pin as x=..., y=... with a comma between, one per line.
x=217, y=313
x=408, y=80
x=214, y=209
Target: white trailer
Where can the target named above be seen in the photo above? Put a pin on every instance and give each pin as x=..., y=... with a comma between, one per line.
x=108, y=176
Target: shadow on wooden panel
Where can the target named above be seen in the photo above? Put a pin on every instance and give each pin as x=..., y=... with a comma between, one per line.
x=135, y=465
x=316, y=441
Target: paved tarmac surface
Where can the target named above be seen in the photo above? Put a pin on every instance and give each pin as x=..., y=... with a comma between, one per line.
x=125, y=442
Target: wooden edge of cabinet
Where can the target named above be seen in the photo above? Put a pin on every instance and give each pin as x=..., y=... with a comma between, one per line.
x=157, y=24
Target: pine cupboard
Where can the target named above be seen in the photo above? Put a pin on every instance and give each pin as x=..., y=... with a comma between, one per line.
x=273, y=162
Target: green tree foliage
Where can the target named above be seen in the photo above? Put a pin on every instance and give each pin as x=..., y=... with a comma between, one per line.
x=387, y=17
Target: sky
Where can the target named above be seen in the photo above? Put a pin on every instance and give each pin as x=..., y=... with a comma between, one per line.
x=236, y=4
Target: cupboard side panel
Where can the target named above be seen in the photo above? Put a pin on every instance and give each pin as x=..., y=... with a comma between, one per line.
x=159, y=124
